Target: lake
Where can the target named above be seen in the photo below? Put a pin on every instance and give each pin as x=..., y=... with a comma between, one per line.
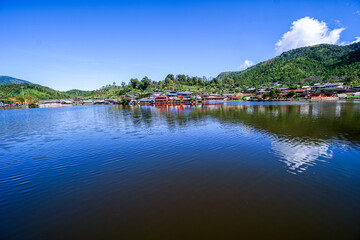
x=242, y=170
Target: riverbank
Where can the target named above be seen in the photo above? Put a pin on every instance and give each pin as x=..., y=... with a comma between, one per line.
x=55, y=105
x=13, y=107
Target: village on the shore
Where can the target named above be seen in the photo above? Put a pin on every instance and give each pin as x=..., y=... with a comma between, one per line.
x=318, y=92
x=315, y=93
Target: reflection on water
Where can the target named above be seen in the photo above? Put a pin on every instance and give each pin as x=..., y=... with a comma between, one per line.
x=285, y=170
x=302, y=131
x=298, y=156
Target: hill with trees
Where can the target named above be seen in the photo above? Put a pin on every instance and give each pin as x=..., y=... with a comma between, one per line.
x=305, y=65
x=77, y=92
x=32, y=92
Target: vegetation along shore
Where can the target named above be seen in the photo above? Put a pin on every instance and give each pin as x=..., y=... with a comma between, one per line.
x=318, y=73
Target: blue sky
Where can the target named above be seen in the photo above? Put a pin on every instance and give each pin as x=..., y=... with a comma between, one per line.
x=88, y=44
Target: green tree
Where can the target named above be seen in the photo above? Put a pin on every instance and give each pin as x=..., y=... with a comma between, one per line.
x=215, y=82
x=182, y=79
x=134, y=83
x=20, y=99
x=273, y=94
x=169, y=77
x=291, y=94
x=145, y=83
x=349, y=78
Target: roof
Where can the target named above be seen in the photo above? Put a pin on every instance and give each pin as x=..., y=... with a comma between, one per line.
x=147, y=100
x=296, y=90
x=215, y=97
x=185, y=93
x=329, y=85
x=334, y=89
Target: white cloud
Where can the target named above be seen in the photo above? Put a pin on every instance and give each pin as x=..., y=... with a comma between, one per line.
x=338, y=22
x=306, y=32
x=246, y=64
x=357, y=39
x=357, y=12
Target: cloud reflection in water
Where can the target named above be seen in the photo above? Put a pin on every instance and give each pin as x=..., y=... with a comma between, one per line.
x=298, y=156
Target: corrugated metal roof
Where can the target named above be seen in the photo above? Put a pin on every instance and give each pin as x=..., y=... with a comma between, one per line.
x=185, y=93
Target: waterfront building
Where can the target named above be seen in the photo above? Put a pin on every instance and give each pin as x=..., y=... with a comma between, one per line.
x=185, y=93
x=147, y=101
x=161, y=99
x=214, y=99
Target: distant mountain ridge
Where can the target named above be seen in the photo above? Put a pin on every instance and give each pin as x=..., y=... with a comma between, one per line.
x=319, y=62
x=4, y=80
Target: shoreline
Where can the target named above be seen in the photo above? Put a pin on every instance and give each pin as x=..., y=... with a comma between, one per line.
x=212, y=103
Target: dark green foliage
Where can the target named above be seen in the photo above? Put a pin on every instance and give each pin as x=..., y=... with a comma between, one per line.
x=125, y=101
x=76, y=92
x=291, y=94
x=273, y=94
x=134, y=83
x=140, y=96
x=32, y=92
x=7, y=101
x=145, y=83
x=321, y=63
x=33, y=105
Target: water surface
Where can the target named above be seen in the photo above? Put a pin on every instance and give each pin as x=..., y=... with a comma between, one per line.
x=285, y=171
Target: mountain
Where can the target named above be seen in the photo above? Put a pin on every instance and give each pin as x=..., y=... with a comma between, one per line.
x=10, y=80
x=32, y=92
x=77, y=92
x=303, y=65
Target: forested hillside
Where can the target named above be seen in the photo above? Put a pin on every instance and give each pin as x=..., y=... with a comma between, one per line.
x=309, y=64
x=77, y=92
x=32, y=92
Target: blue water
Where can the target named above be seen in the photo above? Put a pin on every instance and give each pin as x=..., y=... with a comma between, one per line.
x=288, y=170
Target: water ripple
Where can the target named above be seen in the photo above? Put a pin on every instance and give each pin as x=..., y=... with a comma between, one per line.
x=135, y=171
